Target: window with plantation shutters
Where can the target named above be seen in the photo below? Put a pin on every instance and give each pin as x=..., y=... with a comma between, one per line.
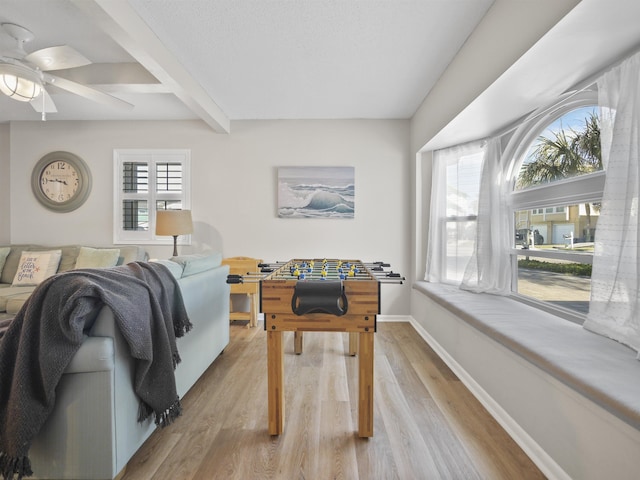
x=147, y=181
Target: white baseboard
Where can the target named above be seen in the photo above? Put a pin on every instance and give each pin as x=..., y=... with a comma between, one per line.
x=543, y=461
x=394, y=318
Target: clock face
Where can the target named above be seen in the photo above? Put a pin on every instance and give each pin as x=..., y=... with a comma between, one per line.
x=59, y=181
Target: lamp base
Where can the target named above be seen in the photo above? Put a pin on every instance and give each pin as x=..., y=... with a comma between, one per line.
x=175, y=245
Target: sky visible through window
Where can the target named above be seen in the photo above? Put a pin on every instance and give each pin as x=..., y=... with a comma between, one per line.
x=463, y=185
x=574, y=120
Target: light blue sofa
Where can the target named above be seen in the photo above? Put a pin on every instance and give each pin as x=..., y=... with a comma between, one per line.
x=93, y=430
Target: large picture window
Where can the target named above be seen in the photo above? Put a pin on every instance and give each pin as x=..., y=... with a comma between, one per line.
x=146, y=181
x=557, y=224
x=554, y=179
x=558, y=182
x=454, y=211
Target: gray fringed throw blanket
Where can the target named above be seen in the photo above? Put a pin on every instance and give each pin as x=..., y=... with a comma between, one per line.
x=47, y=331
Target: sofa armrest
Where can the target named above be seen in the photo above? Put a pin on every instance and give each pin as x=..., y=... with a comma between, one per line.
x=96, y=354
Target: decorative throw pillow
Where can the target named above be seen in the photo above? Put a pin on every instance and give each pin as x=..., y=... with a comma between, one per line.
x=34, y=267
x=97, y=257
x=4, y=253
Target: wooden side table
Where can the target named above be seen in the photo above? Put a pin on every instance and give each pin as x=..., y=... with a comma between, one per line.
x=240, y=266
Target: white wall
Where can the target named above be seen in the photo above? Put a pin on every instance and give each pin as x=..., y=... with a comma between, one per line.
x=482, y=60
x=5, y=232
x=234, y=187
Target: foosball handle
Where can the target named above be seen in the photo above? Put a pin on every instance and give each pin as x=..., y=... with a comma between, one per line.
x=234, y=279
x=382, y=264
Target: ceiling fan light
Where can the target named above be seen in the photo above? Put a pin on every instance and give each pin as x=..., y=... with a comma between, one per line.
x=19, y=84
x=18, y=88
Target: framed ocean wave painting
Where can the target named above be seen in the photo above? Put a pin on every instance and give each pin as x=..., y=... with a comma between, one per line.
x=316, y=192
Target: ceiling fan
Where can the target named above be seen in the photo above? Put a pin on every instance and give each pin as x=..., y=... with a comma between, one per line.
x=24, y=76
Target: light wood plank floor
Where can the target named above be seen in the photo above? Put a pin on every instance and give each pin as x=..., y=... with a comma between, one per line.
x=427, y=424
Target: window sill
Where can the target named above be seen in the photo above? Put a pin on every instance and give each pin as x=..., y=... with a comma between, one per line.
x=602, y=370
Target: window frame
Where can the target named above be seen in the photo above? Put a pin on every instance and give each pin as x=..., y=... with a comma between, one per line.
x=152, y=157
x=577, y=190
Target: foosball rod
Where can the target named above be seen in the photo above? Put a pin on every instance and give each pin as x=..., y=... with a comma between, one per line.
x=398, y=281
x=235, y=278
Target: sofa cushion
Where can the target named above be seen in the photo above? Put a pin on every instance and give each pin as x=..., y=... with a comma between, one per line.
x=69, y=256
x=97, y=257
x=132, y=253
x=15, y=302
x=175, y=268
x=11, y=292
x=34, y=267
x=197, y=262
x=11, y=263
x=4, y=251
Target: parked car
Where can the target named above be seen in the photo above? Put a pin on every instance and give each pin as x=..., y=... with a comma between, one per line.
x=526, y=237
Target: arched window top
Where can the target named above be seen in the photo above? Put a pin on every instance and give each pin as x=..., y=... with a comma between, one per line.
x=557, y=144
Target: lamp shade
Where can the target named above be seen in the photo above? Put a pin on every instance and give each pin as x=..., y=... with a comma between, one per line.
x=19, y=82
x=173, y=222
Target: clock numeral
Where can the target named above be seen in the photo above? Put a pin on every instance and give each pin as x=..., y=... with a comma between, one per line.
x=61, y=165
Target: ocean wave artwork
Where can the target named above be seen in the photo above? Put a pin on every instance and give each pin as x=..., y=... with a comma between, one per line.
x=316, y=192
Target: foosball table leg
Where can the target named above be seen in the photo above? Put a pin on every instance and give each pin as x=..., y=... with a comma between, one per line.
x=297, y=342
x=275, y=382
x=353, y=343
x=365, y=385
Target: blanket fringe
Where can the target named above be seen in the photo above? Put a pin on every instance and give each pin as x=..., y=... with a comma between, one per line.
x=12, y=465
x=162, y=419
x=181, y=328
x=176, y=360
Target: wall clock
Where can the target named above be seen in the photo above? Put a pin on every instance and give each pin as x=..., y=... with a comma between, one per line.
x=61, y=181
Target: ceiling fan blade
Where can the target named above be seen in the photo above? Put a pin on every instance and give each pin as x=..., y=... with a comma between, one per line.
x=86, y=92
x=57, y=58
x=44, y=103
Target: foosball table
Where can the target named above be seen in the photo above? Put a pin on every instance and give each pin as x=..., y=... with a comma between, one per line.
x=320, y=295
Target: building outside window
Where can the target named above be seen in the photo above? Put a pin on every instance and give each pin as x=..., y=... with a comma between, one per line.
x=146, y=181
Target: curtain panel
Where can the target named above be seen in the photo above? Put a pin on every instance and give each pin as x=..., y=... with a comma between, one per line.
x=454, y=208
x=489, y=269
x=614, y=309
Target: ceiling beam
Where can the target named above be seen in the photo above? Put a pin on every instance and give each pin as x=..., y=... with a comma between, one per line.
x=119, y=20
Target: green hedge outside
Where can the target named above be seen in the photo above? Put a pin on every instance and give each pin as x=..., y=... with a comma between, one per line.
x=576, y=269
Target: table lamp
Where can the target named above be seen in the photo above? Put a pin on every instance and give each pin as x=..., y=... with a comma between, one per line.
x=174, y=223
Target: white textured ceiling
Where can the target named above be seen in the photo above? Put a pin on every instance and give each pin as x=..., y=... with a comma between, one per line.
x=257, y=59
x=314, y=58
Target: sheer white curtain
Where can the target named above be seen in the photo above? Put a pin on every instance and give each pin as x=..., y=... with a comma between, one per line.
x=614, y=310
x=489, y=269
x=453, y=211
x=437, y=235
